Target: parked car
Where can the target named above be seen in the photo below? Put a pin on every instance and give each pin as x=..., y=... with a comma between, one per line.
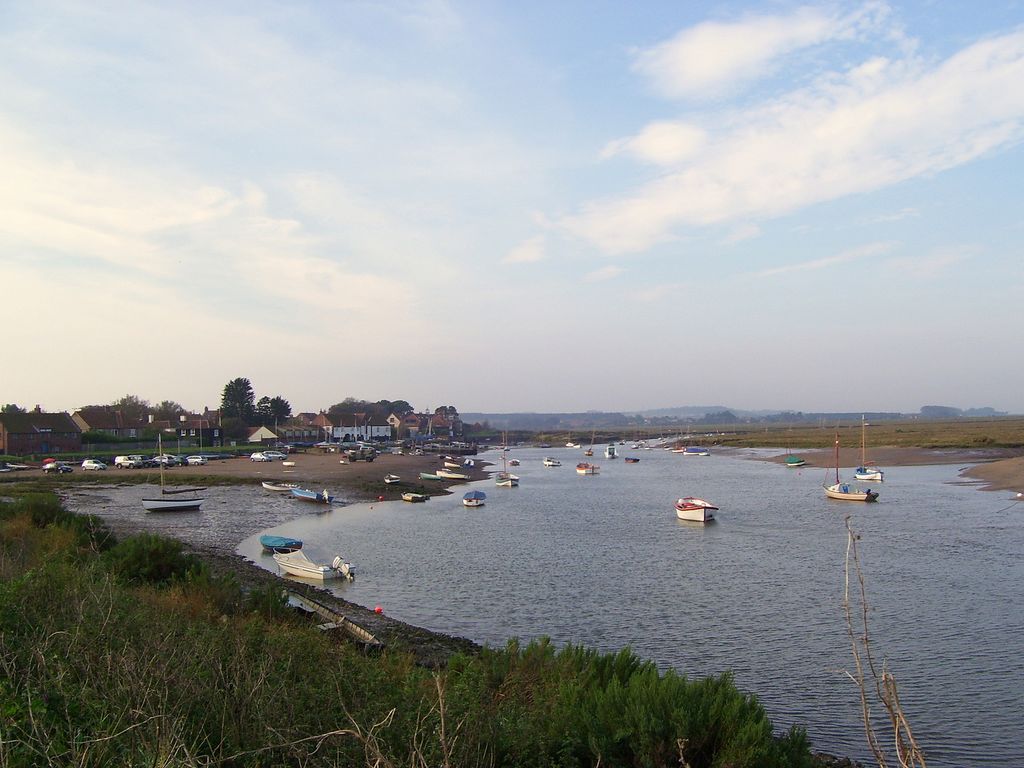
x=259, y=456
x=129, y=462
x=193, y=461
x=167, y=459
x=93, y=464
x=275, y=455
x=60, y=467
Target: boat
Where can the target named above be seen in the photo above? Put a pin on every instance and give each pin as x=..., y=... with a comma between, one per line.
x=550, y=462
x=474, y=499
x=794, y=461
x=695, y=510
x=609, y=452
x=590, y=451
x=866, y=471
x=586, y=468
x=392, y=479
x=696, y=450
x=273, y=485
x=447, y=474
x=280, y=544
x=505, y=479
x=429, y=476
x=631, y=460
x=843, y=491
x=414, y=497
x=297, y=564
x=513, y=462
x=304, y=494
x=452, y=464
x=172, y=500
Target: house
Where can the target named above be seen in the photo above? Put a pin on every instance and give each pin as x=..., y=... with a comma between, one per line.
x=107, y=419
x=361, y=427
x=35, y=432
x=198, y=429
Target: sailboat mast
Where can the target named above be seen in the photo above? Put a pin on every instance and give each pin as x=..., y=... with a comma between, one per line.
x=837, y=457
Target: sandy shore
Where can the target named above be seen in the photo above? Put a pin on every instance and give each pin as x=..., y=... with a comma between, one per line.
x=991, y=469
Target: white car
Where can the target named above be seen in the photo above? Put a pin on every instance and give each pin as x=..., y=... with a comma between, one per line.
x=93, y=464
x=194, y=461
x=260, y=456
x=275, y=455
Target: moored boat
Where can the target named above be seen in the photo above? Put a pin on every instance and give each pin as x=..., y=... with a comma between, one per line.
x=280, y=544
x=297, y=564
x=474, y=499
x=173, y=500
x=794, y=461
x=550, y=462
x=304, y=494
x=429, y=476
x=609, y=452
x=842, y=491
x=631, y=460
x=271, y=485
x=392, y=479
x=695, y=510
x=586, y=468
x=414, y=497
x=448, y=474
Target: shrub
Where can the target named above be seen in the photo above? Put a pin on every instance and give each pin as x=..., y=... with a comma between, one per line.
x=151, y=559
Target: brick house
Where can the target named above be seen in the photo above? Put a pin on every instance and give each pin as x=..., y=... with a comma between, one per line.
x=107, y=419
x=35, y=432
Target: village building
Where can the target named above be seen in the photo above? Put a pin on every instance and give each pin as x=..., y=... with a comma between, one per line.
x=35, y=432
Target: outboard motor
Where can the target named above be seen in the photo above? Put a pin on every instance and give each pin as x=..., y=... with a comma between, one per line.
x=342, y=567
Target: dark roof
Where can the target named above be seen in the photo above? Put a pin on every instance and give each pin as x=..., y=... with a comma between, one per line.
x=103, y=417
x=28, y=423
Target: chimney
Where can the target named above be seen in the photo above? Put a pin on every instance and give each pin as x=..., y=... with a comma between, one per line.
x=38, y=409
x=151, y=418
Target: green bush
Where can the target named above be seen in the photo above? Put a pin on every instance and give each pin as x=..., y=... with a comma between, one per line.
x=151, y=559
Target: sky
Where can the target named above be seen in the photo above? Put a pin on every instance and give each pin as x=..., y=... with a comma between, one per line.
x=525, y=206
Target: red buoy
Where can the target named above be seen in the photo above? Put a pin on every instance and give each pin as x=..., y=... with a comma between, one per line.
x=378, y=609
x=380, y=498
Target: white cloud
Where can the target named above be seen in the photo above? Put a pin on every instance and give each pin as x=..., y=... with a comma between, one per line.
x=661, y=143
x=528, y=252
x=853, y=254
x=604, y=273
x=850, y=133
x=712, y=56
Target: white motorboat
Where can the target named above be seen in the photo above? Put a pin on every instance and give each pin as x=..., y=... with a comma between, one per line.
x=297, y=564
x=392, y=479
x=550, y=462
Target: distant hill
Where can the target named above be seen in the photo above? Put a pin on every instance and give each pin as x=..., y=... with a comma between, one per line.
x=700, y=414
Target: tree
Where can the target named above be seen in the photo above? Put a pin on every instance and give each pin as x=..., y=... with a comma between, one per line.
x=133, y=408
x=238, y=401
x=235, y=428
x=168, y=410
x=280, y=408
x=12, y=408
x=398, y=407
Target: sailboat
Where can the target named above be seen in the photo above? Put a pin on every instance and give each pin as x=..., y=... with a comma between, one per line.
x=505, y=479
x=590, y=450
x=842, y=491
x=178, y=503
x=864, y=471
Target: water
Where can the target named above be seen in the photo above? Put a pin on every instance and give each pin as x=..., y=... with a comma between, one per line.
x=603, y=561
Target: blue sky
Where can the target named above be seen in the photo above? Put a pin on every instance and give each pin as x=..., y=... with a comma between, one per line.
x=509, y=207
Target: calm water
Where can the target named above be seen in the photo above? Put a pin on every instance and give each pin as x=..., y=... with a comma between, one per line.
x=602, y=561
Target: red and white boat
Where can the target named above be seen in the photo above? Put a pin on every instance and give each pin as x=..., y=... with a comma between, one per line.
x=586, y=468
x=695, y=510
